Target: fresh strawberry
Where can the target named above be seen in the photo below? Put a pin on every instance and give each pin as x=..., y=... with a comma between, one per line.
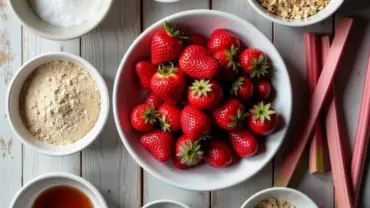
x=222, y=39
x=168, y=83
x=178, y=165
x=159, y=144
x=145, y=71
x=152, y=100
x=194, y=122
x=219, y=154
x=229, y=115
x=263, y=90
x=227, y=58
x=166, y=44
x=197, y=39
x=188, y=151
x=204, y=94
x=169, y=117
x=254, y=62
x=243, y=88
x=198, y=63
x=143, y=118
x=244, y=142
x=263, y=119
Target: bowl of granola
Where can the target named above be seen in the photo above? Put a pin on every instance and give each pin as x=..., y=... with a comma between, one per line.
x=296, y=13
x=279, y=197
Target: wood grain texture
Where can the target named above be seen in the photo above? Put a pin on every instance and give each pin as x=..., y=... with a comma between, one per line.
x=106, y=163
x=35, y=164
x=290, y=43
x=235, y=196
x=153, y=11
x=10, y=147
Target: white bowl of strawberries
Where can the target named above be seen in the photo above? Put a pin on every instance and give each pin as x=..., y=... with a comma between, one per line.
x=205, y=105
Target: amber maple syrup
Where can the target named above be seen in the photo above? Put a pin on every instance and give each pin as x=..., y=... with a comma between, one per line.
x=62, y=197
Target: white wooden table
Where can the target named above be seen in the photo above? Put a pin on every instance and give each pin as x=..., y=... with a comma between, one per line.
x=107, y=164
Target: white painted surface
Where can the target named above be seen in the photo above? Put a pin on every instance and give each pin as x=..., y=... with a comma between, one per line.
x=107, y=164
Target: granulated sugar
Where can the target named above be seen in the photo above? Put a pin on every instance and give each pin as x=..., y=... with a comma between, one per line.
x=66, y=13
x=59, y=102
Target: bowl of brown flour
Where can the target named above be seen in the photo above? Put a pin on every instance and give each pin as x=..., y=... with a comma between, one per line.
x=57, y=104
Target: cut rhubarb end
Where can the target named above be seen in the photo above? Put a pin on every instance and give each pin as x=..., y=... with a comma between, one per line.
x=295, y=153
x=361, y=139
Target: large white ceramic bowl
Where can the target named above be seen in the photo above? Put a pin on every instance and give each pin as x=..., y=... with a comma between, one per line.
x=325, y=13
x=294, y=197
x=12, y=106
x=27, y=195
x=22, y=9
x=126, y=94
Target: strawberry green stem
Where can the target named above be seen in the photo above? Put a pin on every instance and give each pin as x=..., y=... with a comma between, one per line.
x=173, y=31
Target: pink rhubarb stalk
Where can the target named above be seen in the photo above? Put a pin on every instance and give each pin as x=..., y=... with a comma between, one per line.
x=312, y=74
x=294, y=155
x=362, y=138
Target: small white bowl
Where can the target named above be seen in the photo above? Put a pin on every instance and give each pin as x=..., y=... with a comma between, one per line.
x=126, y=91
x=325, y=13
x=292, y=196
x=16, y=123
x=165, y=203
x=27, y=195
x=23, y=10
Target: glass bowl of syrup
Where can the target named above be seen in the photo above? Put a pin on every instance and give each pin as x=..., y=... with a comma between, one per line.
x=58, y=190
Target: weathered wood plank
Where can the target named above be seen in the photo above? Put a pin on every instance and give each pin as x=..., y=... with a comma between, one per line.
x=153, y=11
x=106, y=163
x=235, y=196
x=289, y=42
x=10, y=147
x=35, y=164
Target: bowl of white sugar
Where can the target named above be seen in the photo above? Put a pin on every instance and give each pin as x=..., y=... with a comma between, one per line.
x=60, y=19
x=57, y=104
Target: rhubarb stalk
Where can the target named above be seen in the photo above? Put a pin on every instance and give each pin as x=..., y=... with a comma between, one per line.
x=294, y=155
x=361, y=139
x=312, y=74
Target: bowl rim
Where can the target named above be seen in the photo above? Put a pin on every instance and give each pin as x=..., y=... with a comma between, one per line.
x=98, y=78
x=115, y=99
x=168, y=201
x=58, y=37
x=278, y=189
x=262, y=12
x=63, y=175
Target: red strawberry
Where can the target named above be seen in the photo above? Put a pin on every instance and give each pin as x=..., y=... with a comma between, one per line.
x=145, y=71
x=254, y=62
x=168, y=83
x=229, y=115
x=198, y=63
x=243, y=88
x=204, y=94
x=179, y=166
x=169, y=117
x=152, y=100
x=222, y=39
x=188, y=151
x=263, y=90
x=197, y=39
x=226, y=58
x=143, y=118
x=263, y=119
x=219, y=154
x=167, y=45
x=159, y=144
x=244, y=142
x=194, y=122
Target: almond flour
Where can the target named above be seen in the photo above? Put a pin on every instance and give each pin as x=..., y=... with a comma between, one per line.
x=59, y=102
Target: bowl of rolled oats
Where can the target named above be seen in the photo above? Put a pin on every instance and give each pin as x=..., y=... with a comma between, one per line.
x=279, y=197
x=296, y=13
